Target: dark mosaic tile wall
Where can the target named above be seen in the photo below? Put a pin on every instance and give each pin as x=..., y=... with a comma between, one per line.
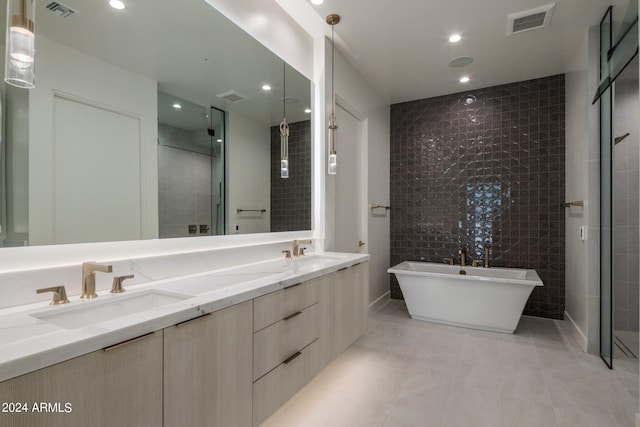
x=291, y=198
x=483, y=168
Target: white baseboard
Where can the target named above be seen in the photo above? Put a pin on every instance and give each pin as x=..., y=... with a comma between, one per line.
x=578, y=335
x=382, y=300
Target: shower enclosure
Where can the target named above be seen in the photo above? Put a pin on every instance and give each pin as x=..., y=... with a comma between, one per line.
x=190, y=168
x=618, y=96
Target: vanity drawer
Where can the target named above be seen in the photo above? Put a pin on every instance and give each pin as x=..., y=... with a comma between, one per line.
x=271, y=308
x=275, y=388
x=275, y=343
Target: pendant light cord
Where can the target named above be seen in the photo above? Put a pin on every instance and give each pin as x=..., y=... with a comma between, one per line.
x=333, y=90
x=284, y=89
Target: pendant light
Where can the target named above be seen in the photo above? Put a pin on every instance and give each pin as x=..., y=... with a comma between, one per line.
x=332, y=20
x=20, y=44
x=284, y=128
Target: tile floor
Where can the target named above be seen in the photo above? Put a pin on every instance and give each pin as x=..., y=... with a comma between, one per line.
x=404, y=372
x=625, y=351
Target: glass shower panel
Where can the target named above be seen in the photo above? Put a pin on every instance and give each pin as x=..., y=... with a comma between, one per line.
x=606, y=192
x=606, y=227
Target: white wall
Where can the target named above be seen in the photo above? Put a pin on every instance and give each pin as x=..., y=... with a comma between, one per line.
x=582, y=274
x=16, y=137
x=249, y=181
x=111, y=95
x=351, y=87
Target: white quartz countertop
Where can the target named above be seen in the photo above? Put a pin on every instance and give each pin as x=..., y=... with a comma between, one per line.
x=38, y=335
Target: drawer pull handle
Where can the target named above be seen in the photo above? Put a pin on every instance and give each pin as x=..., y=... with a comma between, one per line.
x=293, y=286
x=122, y=344
x=291, y=358
x=342, y=269
x=291, y=316
x=192, y=320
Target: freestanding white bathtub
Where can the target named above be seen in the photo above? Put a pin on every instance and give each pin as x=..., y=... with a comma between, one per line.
x=491, y=299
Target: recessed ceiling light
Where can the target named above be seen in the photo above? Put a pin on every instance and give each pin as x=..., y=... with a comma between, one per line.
x=464, y=79
x=307, y=110
x=177, y=106
x=455, y=38
x=116, y=4
x=317, y=2
x=266, y=87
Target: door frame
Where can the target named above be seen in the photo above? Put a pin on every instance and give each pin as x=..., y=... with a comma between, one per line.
x=364, y=168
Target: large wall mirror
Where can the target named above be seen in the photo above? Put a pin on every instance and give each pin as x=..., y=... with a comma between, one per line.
x=158, y=120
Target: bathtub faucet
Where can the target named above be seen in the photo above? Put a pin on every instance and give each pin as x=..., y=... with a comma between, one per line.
x=463, y=257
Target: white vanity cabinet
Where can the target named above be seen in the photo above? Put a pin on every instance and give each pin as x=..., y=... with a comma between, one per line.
x=118, y=386
x=208, y=369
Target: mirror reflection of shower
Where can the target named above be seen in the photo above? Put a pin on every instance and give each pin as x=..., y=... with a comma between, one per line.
x=626, y=201
x=190, y=168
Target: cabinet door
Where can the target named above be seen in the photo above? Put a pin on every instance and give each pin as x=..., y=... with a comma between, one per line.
x=343, y=309
x=326, y=291
x=208, y=369
x=275, y=388
x=356, y=281
x=118, y=386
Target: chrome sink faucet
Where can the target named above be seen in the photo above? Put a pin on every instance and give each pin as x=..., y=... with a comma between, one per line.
x=297, y=251
x=89, y=278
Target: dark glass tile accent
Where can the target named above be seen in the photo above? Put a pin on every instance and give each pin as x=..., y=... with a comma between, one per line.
x=291, y=197
x=483, y=168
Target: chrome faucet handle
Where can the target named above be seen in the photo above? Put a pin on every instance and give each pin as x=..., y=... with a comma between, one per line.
x=59, y=294
x=287, y=254
x=463, y=257
x=448, y=260
x=301, y=251
x=116, y=287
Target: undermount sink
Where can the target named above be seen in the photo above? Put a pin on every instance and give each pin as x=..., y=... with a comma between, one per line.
x=316, y=259
x=111, y=307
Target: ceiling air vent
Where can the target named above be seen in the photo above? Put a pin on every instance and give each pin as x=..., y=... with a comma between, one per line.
x=529, y=19
x=232, y=96
x=60, y=9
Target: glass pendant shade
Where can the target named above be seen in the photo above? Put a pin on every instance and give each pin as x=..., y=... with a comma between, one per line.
x=20, y=44
x=333, y=164
x=333, y=158
x=332, y=20
x=284, y=149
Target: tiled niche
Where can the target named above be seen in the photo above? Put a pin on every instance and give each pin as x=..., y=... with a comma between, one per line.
x=483, y=168
x=291, y=197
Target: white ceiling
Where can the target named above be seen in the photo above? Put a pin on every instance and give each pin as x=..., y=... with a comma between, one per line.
x=401, y=46
x=192, y=50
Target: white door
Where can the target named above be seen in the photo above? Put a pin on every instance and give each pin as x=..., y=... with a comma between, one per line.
x=348, y=191
x=97, y=200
